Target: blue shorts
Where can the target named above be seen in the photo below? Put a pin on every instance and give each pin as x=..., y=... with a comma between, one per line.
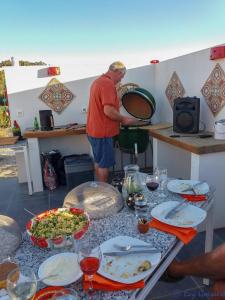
x=103, y=151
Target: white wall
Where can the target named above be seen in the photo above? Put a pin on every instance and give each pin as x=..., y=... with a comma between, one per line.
x=24, y=87
x=193, y=70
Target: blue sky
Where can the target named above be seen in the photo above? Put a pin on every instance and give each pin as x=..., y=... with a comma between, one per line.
x=144, y=29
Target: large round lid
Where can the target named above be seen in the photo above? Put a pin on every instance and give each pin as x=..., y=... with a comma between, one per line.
x=139, y=103
x=98, y=199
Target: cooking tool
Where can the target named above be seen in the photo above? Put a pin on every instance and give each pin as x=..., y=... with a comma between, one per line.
x=139, y=103
x=175, y=209
x=129, y=247
x=123, y=253
x=201, y=136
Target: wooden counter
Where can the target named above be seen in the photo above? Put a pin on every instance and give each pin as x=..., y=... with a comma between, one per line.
x=80, y=129
x=76, y=130
x=192, y=142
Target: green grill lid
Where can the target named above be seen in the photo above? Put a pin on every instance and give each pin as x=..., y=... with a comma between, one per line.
x=139, y=103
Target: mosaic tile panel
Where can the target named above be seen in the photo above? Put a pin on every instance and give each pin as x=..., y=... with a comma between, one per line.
x=56, y=95
x=214, y=90
x=174, y=89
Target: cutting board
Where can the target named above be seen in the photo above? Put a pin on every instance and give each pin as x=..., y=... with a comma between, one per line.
x=8, y=140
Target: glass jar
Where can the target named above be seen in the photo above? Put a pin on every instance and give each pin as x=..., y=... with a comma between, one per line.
x=140, y=206
x=132, y=182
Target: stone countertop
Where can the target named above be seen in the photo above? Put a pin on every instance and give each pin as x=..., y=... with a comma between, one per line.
x=123, y=223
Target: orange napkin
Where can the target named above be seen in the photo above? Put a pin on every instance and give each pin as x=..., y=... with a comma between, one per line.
x=194, y=198
x=105, y=284
x=183, y=234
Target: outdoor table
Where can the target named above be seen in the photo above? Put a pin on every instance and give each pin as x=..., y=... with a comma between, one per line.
x=123, y=223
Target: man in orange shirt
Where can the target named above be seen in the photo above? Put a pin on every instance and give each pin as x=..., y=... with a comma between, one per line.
x=104, y=118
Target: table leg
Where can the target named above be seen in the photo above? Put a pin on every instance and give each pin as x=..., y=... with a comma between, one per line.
x=151, y=282
x=209, y=235
x=27, y=165
x=35, y=164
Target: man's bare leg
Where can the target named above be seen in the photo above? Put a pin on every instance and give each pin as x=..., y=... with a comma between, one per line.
x=102, y=174
x=210, y=265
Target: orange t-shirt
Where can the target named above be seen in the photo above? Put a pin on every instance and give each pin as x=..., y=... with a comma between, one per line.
x=103, y=92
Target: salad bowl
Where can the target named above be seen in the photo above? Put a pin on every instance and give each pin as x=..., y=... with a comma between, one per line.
x=58, y=227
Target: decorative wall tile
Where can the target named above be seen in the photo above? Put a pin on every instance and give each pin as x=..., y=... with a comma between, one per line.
x=56, y=95
x=214, y=90
x=174, y=89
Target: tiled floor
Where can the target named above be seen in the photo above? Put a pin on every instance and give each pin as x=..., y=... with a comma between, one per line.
x=14, y=198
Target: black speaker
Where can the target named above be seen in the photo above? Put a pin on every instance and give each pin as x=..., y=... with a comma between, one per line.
x=186, y=112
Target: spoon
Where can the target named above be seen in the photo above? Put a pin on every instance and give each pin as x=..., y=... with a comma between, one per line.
x=129, y=247
x=47, y=277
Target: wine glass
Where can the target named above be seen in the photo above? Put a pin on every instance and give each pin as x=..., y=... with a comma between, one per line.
x=152, y=183
x=66, y=294
x=21, y=284
x=89, y=260
x=162, y=175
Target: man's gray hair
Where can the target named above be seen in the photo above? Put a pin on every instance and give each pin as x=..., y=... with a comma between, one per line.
x=117, y=66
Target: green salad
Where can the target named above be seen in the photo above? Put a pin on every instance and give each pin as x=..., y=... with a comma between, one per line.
x=58, y=224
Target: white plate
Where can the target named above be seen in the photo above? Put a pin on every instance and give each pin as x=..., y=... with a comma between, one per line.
x=177, y=186
x=64, y=264
x=189, y=216
x=124, y=268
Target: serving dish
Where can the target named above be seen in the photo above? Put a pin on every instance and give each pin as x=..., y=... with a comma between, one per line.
x=48, y=292
x=64, y=265
x=128, y=268
x=188, y=216
x=57, y=227
x=185, y=187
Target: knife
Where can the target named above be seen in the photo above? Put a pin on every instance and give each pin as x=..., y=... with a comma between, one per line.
x=123, y=253
x=175, y=209
x=193, y=187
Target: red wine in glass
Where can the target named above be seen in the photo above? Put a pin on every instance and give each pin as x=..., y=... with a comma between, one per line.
x=89, y=260
x=152, y=186
x=90, y=265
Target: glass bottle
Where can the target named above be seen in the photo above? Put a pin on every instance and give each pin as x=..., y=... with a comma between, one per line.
x=36, y=124
x=16, y=129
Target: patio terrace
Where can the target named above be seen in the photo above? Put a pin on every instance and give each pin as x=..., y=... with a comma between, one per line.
x=15, y=199
x=193, y=71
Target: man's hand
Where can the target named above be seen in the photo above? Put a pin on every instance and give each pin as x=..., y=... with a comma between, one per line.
x=128, y=120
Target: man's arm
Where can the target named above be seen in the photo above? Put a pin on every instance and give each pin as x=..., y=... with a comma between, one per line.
x=113, y=114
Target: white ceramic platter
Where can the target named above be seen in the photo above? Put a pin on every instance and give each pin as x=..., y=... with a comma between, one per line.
x=177, y=186
x=125, y=268
x=64, y=264
x=188, y=216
